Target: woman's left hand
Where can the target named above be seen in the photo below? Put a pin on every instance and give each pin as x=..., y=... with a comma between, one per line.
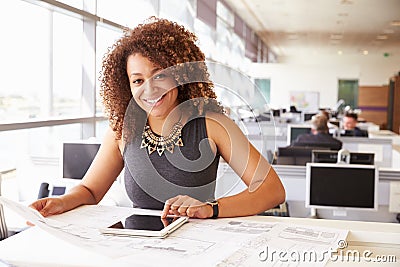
x=186, y=206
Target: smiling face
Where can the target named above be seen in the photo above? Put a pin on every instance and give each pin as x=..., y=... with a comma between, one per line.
x=153, y=88
x=349, y=123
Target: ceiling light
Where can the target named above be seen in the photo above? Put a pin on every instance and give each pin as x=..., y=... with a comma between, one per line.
x=395, y=23
x=388, y=31
x=382, y=37
x=340, y=52
x=336, y=36
x=376, y=42
x=346, y=2
x=365, y=52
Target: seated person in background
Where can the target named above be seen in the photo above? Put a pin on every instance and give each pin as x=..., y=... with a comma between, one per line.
x=293, y=109
x=319, y=136
x=332, y=128
x=349, y=123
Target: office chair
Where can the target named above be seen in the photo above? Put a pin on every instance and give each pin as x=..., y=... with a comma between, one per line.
x=43, y=190
x=3, y=226
x=282, y=210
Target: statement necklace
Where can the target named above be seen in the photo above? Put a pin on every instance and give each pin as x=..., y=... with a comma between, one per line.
x=155, y=142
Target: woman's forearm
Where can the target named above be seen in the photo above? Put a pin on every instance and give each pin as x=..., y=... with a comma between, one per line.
x=268, y=195
x=77, y=196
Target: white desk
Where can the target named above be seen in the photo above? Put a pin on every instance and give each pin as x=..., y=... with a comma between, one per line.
x=386, y=134
x=35, y=247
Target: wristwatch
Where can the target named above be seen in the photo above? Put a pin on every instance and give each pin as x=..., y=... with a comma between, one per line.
x=214, y=204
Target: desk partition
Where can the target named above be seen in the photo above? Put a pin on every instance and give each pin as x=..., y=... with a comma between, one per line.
x=382, y=148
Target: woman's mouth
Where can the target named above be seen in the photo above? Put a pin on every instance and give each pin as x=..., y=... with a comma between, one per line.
x=153, y=101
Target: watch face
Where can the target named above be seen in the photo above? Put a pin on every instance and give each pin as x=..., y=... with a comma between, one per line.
x=212, y=202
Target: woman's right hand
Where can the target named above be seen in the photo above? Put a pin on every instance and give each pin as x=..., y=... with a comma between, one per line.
x=48, y=206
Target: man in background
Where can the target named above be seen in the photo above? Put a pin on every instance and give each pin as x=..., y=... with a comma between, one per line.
x=319, y=136
x=349, y=123
x=332, y=128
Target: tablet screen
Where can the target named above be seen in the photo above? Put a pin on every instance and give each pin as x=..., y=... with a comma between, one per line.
x=145, y=226
x=144, y=222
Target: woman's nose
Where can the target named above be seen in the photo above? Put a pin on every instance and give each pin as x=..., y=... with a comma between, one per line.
x=148, y=86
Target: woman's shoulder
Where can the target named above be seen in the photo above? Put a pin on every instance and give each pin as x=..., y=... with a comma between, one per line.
x=219, y=124
x=215, y=117
x=110, y=139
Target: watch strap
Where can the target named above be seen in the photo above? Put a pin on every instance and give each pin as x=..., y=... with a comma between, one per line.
x=214, y=205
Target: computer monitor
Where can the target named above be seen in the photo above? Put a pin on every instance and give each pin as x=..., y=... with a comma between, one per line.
x=307, y=116
x=341, y=186
x=360, y=133
x=77, y=158
x=324, y=156
x=276, y=112
x=294, y=130
x=295, y=155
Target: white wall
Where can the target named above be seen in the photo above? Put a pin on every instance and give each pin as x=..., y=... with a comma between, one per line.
x=321, y=74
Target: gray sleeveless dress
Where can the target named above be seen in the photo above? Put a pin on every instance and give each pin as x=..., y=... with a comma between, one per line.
x=190, y=170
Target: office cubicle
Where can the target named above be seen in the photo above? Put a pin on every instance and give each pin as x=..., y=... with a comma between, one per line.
x=293, y=177
x=382, y=148
x=296, y=155
x=331, y=156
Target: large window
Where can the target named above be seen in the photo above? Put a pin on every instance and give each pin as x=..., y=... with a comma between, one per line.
x=264, y=85
x=223, y=43
x=67, y=65
x=105, y=38
x=127, y=12
x=75, y=3
x=44, y=56
x=183, y=12
x=206, y=35
x=24, y=53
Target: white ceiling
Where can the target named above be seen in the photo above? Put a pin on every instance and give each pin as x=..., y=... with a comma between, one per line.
x=331, y=27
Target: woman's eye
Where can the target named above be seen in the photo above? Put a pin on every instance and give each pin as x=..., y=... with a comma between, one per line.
x=137, y=81
x=159, y=76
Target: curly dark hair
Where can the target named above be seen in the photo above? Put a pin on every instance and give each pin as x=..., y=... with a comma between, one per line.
x=166, y=44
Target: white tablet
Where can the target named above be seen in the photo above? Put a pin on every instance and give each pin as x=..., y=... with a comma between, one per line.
x=145, y=226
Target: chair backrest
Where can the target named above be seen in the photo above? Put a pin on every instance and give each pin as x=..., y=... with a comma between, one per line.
x=3, y=226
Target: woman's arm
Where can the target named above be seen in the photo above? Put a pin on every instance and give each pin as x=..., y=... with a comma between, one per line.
x=103, y=171
x=265, y=189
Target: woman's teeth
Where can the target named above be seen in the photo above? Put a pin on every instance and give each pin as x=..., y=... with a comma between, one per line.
x=153, y=101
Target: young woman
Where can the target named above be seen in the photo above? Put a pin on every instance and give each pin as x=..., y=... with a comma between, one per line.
x=168, y=132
